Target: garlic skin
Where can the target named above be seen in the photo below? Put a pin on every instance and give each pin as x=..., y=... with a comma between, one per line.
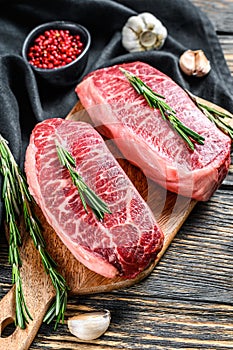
x=89, y=325
x=194, y=63
x=143, y=32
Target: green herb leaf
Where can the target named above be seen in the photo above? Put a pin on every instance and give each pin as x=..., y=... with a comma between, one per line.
x=157, y=101
x=22, y=312
x=87, y=195
x=17, y=199
x=215, y=114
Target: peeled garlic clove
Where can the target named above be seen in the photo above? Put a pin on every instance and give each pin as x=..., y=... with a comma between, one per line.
x=89, y=325
x=194, y=63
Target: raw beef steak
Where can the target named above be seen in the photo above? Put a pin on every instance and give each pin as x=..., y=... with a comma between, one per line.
x=127, y=240
x=147, y=140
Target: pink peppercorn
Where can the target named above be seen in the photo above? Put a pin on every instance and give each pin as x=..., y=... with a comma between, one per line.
x=55, y=48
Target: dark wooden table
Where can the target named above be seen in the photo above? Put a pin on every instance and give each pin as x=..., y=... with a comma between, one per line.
x=187, y=302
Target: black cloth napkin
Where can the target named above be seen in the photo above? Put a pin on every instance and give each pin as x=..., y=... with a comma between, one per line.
x=25, y=99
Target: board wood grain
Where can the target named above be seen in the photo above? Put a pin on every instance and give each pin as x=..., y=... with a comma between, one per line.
x=169, y=209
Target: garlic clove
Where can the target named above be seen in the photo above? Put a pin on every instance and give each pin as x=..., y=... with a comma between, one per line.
x=194, y=63
x=202, y=64
x=89, y=325
x=130, y=40
x=150, y=20
x=136, y=24
x=150, y=33
x=161, y=37
x=158, y=32
x=187, y=62
x=129, y=34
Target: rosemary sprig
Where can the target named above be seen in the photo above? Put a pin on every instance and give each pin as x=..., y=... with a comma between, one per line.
x=215, y=114
x=58, y=308
x=87, y=195
x=12, y=203
x=17, y=199
x=157, y=101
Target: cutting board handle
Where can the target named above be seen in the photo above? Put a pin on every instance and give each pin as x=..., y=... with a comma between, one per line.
x=20, y=339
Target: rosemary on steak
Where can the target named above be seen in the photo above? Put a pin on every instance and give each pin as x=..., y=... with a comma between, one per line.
x=215, y=114
x=157, y=101
x=87, y=195
x=17, y=199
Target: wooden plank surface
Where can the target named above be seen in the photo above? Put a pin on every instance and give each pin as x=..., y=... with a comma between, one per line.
x=187, y=301
x=220, y=13
x=169, y=210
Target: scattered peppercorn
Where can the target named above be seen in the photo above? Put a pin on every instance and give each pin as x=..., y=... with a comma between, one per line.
x=55, y=48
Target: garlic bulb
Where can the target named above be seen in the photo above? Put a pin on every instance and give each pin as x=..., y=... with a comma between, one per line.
x=194, y=63
x=143, y=32
x=89, y=325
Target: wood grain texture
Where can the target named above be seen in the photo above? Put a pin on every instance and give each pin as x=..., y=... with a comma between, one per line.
x=186, y=302
x=226, y=42
x=170, y=211
x=157, y=324
x=219, y=12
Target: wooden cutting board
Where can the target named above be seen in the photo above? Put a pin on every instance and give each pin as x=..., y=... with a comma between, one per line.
x=170, y=211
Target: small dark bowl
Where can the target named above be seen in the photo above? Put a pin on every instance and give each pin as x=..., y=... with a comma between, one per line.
x=68, y=74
